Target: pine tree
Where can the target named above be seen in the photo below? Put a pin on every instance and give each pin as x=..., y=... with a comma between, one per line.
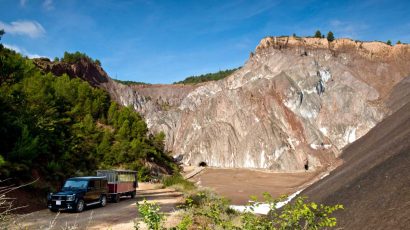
x=330, y=36
x=388, y=42
x=318, y=34
x=398, y=42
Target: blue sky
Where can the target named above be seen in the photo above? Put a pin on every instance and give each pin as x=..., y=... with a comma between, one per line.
x=166, y=41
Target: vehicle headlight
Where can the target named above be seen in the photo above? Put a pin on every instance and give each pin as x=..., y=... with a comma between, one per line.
x=70, y=197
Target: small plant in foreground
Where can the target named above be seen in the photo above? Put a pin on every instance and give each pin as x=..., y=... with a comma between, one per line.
x=294, y=215
x=205, y=210
x=151, y=215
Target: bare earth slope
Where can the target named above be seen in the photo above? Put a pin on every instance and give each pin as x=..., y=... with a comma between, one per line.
x=374, y=182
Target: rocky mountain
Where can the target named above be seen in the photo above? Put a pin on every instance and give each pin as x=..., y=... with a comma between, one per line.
x=294, y=105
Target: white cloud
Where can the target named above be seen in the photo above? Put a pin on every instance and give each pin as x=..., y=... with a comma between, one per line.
x=22, y=51
x=32, y=29
x=48, y=4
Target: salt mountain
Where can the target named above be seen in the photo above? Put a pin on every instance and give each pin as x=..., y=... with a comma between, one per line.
x=294, y=104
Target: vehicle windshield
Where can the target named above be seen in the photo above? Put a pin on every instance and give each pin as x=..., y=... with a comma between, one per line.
x=75, y=185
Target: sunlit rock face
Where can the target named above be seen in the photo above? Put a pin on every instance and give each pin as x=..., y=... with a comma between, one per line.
x=294, y=104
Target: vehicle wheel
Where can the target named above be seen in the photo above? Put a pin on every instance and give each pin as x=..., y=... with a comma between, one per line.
x=53, y=210
x=133, y=195
x=80, y=206
x=116, y=198
x=103, y=201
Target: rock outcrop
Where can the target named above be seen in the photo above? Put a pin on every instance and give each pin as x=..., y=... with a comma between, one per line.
x=293, y=105
x=84, y=69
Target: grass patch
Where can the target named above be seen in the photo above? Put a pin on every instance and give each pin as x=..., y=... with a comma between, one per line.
x=178, y=182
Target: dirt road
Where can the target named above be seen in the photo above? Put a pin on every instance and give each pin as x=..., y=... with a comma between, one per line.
x=114, y=216
x=235, y=184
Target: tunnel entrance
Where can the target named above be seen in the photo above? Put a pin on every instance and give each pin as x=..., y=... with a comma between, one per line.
x=306, y=167
x=202, y=164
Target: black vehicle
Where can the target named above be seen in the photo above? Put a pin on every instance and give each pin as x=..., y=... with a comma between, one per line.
x=79, y=192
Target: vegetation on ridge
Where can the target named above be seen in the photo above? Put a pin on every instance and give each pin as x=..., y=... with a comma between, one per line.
x=131, y=82
x=72, y=58
x=207, y=77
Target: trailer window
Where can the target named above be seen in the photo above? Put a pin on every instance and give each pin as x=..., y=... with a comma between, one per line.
x=124, y=178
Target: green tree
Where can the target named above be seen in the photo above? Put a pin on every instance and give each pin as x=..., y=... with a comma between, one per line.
x=330, y=36
x=318, y=34
x=398, y=42
x=2, y=33
x=388, y=42
x=62, y=127
x=125, y=131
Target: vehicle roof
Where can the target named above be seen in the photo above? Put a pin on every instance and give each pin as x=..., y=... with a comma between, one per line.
x=88, y=178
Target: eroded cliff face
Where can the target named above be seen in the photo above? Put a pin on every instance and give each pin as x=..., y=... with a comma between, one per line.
x=295, y=103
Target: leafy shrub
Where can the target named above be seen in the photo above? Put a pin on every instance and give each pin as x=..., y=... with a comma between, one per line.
x=297, y=214
x=178, y=181
x=150, y=215
x=205, y=210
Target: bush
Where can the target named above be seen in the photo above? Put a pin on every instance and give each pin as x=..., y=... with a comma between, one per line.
x=177, y=181
x=150, y=215
x=205, y=210
x=318, y=34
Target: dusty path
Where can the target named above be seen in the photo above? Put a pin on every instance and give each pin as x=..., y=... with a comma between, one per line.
x=114, y=216
x=235, y=184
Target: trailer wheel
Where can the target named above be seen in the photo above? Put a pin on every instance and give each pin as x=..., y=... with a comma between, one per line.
x=116, y=198
x=133, y=195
